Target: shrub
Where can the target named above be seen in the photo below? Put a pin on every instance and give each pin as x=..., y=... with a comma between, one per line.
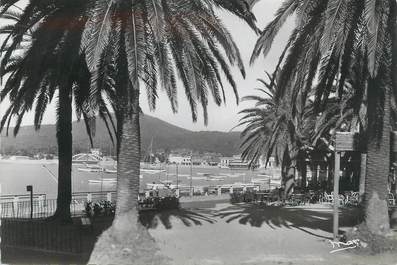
x=101, y=208
x=237, y=197
x=159, y=203
x=107, y=208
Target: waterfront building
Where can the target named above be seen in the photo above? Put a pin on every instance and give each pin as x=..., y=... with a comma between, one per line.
x=238, y=163
x=180, y=160
x=225, y=162
x=234, y=162
x=270, y=164
x=198, y=161
x=86, y=158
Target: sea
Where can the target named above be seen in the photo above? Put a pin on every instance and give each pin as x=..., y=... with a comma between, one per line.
x=43, y=176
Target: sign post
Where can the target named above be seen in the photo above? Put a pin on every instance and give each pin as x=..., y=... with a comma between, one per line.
x=363, y=168
x=191, y=190
x=345, y=141
x=336, y=195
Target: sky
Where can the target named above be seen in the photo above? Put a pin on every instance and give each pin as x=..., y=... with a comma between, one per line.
x=225, y=117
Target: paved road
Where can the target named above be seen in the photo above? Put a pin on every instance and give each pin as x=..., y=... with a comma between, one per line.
x=227, y=234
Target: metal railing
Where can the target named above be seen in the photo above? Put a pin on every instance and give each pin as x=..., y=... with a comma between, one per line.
x=11, y=197
x=19, y=206
x=41, y=209
x=94, y=196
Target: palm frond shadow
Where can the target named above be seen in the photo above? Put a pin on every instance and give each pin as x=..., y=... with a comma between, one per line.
x=151, y=219
x=291, y=218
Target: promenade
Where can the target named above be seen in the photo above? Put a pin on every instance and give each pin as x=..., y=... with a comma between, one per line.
x=223, y=233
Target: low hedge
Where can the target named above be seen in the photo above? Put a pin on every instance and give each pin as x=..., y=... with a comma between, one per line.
x=101, y=208
x=106, y=208
x=159, y=203
x=237, y=197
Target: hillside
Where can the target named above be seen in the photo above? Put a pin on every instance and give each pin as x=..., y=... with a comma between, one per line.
x=165, y=136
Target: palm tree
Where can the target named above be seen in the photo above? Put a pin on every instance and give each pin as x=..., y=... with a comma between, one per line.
x=271, y=128
x=150, y=42
x=41, y=59
x=295, y=137
x=332, y=38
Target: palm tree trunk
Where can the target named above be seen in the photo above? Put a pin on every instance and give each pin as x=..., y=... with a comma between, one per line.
x=288, y=167
x=378, y=159
x=128, y=168
x=393, y=26
x=126, y=231
x=303, y=172
x=378, y=156
x=65, y=142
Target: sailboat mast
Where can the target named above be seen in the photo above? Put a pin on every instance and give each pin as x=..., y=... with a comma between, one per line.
x=149, y=153
x=151, y=146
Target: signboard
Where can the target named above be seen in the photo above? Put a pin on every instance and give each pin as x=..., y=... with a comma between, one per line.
x=347, y=141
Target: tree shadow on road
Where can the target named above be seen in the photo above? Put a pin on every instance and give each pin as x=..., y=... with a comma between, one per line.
x=151, y=219
x=283, y=217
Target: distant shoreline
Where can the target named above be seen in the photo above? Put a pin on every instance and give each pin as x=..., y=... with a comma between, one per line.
x=29, y=161
x=55, y=161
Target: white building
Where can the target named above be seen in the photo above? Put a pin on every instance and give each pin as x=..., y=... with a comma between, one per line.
x=233, y=162
x=225, y=162
x=180, y=160
x=238, y=163
x=270, y=164
x=86, y=158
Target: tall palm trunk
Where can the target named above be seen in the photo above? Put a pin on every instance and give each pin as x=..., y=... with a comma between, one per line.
x=288, y=167
x=302, y=168
x=64, y=140
x=378, y=159
x=126, y=233
x=128, y=168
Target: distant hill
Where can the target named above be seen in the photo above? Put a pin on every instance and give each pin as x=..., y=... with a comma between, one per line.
x=165, y=136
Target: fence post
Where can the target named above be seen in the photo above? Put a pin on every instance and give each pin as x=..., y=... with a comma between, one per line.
x=336, y=195
x=363, y=168
x=41, y=203
x=30, y=189
x=15, y=206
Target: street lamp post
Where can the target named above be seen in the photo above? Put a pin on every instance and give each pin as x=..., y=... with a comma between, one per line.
x=191, y=173
x=30, y=189
x=177, y=177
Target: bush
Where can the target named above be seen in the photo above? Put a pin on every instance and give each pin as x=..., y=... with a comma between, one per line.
x=237, y=197
x=101, y=208
x=107, y=208
x=168, y=203
x=159, y=203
